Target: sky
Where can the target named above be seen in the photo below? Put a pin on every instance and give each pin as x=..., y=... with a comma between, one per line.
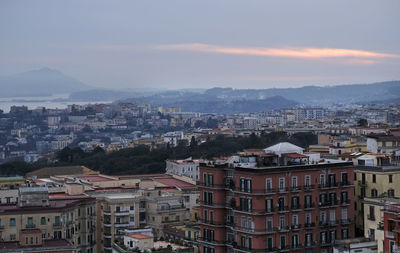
x=203, y=44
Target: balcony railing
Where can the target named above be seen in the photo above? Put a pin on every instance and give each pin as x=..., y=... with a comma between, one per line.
x=210, y=241
x=296, y=207
x=310, y=225
x=371, y=217
x=309, y=205
x=283, y=209
x=362, y=184
x=328, y=185
x=30, y=226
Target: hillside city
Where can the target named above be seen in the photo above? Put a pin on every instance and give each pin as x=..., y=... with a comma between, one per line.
x=303, y=179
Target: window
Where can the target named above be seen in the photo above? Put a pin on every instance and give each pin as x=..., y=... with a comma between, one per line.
x=294, y=182
x=391, y=193
x=332, y=216
x=307, y=180
x=372, y=234
x=12, y=222
x=323, y=237
x=323, y=217
x=243, y=220
x=270, y=243
x=322, y=179
x=283, y=242
x=282, y=222
x=269, y=224
x=281, y=204
x=57, y=220
x=295, y=220
x=344, y=178
x=344, y=214
x=390, y=178
x=268, y=184
x=295, y=241
x=211, y=216
x=355, y=176
x=308, y=218
x=295, y=202
x=269, y=205
x=250, y=244
x=332, y=179
x=374, y=193
x=371, y=215
x=243, y=241
x=344, y=197
x=307, y=201
x=332, y=235
x=281, y=184
x=373, y=178
x=308, y=239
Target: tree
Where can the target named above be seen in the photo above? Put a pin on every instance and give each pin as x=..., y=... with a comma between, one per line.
x=362, y=122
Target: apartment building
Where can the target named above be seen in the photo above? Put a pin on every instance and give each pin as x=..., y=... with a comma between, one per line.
x=70, y=219
x=392, y=228
x=187, y=167
x=374, y=182
x=117, y=213
x=374, y=219
x=274, y=204
x=165, y=209
x=382, y=143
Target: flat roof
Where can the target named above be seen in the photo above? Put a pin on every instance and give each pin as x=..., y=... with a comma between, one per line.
x=54, y=204
x=47, y=244
x=170, y=181
x=140, y=236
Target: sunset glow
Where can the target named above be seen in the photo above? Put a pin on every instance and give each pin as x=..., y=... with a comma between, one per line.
x=305, y=53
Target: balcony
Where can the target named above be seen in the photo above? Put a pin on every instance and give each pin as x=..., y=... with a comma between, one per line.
x=121, y=224
x=30, y=226
x=345, y=202
x=328, y=186
x=295, y=189
x=346, y=221
x=390, y=235
x=210, y=241
x=371, y=217
x=309, y=225
x=211, y=223
x=362, y=183
x=283, y=190
x=214, y=186
x=323, y=224
x=346, y=184
x=283, y=229
x=308, y=187
x=107, y=213
x=269, y=210
x=122, y=213
x=282, y=209
x=308, y=206
x=296, y=207
x=328, y=204
x=296, y=227
x=57, y=225
x=107, y=236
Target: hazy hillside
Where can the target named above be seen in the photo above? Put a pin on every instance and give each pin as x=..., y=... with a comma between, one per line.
x=42, y=82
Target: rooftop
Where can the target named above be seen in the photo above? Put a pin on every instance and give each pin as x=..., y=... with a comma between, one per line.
x=47, y=245
x=140, y=236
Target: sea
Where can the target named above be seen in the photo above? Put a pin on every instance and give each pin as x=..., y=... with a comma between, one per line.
x=56, y=101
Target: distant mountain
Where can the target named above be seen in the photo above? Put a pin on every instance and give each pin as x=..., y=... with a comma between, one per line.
x=41, y=82
x=232, y=107
x=230, y=100
x=316, y=95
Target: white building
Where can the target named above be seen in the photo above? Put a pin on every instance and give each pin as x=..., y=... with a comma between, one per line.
x=187, y=167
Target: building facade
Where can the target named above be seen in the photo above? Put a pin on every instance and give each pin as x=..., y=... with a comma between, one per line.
x=264, y=208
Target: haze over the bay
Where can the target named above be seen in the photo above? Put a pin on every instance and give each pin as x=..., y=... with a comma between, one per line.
x=203, y=44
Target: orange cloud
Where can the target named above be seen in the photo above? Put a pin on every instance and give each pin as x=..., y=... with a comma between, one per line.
x=304, y=53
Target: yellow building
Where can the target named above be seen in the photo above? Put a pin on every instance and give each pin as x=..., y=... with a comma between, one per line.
x=71, y=219
x=11, y=182
x=374, y=182
x=374, y=220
